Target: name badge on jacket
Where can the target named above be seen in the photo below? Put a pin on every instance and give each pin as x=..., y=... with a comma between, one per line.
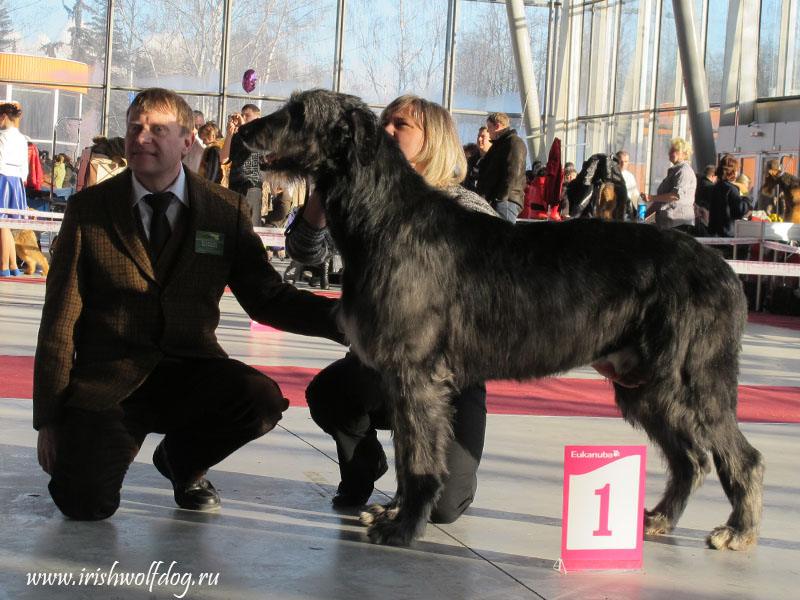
x=209, y=242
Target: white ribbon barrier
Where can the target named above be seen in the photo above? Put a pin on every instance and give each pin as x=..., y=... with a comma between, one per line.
x=758, y=267
x=34, y=220
x=275, y=236
x=271, y=236
x=51, y=221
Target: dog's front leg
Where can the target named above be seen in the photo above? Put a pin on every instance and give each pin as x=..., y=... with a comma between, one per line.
x=422, y=431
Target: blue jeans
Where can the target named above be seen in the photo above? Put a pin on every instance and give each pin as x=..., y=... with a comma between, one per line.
x=507, y=210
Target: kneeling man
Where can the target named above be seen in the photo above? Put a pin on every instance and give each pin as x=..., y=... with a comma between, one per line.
x=127, y=342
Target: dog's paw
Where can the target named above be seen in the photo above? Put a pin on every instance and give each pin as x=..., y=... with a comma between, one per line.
x=725, y=537
x=391, y=532
x=377, y=512
x=656, y=523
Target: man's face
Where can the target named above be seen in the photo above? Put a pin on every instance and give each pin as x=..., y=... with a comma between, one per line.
x=624, y=159
x=494, y=129
x=154, y=145
x=198, y=121
x=250, y=115
x=484, y=141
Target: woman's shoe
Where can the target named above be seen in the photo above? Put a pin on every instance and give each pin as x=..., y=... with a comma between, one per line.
x=5, y=273
x=290, y=274
x=323, y=278
x=16, y=273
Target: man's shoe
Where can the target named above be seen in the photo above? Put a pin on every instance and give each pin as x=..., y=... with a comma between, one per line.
x=348, y=496
x=200, y=495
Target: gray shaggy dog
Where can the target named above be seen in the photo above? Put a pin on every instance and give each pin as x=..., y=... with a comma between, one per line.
x=436, y=297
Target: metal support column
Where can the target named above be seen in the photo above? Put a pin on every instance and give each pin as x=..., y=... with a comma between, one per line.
x=338, y=57
x=449, y=55
x=109, y=49
x=520, y=42
x=223, y=66
x=694, y=81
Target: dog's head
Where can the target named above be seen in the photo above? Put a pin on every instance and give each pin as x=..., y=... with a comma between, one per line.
x=315, y=132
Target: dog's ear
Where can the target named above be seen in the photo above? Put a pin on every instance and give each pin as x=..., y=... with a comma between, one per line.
x=363, y=134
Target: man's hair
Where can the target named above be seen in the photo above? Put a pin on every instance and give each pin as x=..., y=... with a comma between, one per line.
x=710, y=170
x=728, y=168
x=161, y=100
x=482, y=128
x=569, y=169
x=251, y=108
x=499, y=118
x=620, y=154
x=199, y=113
x=441, y=160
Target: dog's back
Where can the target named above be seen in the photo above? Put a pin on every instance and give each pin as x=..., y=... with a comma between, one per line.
x=557, y=277
x=27, y=249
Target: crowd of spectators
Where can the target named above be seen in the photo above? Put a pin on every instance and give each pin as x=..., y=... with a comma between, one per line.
x=704, y=204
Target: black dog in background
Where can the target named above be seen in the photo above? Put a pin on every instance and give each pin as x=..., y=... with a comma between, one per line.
x=599, y=191
x=436, y=297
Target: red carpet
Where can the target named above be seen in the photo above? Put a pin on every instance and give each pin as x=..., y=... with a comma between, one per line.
x=785, y=321
x=554, y=396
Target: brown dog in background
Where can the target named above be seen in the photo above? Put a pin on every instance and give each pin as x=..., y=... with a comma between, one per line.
x=28, y=251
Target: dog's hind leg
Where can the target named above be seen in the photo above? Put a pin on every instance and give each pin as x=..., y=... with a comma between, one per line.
x=422, y=431
x=687, y=465
x=740, y=468
x=673, y=429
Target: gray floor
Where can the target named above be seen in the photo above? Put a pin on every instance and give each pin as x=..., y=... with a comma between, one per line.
x=278, y=537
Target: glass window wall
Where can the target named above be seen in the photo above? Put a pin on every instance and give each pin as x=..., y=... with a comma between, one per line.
x=394, y=48
x=623, y=84
x=485, y=74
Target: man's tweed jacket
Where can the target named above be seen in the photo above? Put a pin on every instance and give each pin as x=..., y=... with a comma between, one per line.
x=110, y=314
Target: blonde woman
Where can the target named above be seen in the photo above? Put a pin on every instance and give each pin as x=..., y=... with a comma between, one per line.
x=429, y=140
x=673, y=202
x=13, y=173
x=346, y=399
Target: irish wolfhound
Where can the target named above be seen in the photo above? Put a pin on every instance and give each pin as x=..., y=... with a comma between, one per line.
x=436, y=297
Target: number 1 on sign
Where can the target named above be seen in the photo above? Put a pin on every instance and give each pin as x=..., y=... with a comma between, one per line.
x=604, y=493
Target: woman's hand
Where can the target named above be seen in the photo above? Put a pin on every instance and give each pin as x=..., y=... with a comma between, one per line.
x=663, y=198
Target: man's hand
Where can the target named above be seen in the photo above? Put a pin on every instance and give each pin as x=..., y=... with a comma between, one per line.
x=46, y=447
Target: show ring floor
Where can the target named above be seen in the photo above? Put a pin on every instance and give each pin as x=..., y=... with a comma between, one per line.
x=277, y=536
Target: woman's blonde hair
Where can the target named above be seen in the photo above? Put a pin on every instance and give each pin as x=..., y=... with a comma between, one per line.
x=441, y=160
x=681, y=145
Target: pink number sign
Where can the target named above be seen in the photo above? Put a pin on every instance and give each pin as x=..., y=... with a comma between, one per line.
x=603, y=517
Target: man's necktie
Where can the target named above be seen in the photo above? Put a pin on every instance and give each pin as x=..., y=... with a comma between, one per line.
x=159, y=224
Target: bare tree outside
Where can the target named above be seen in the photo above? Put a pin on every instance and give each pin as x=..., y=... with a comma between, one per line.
x=396, y=50
x=484, y=60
